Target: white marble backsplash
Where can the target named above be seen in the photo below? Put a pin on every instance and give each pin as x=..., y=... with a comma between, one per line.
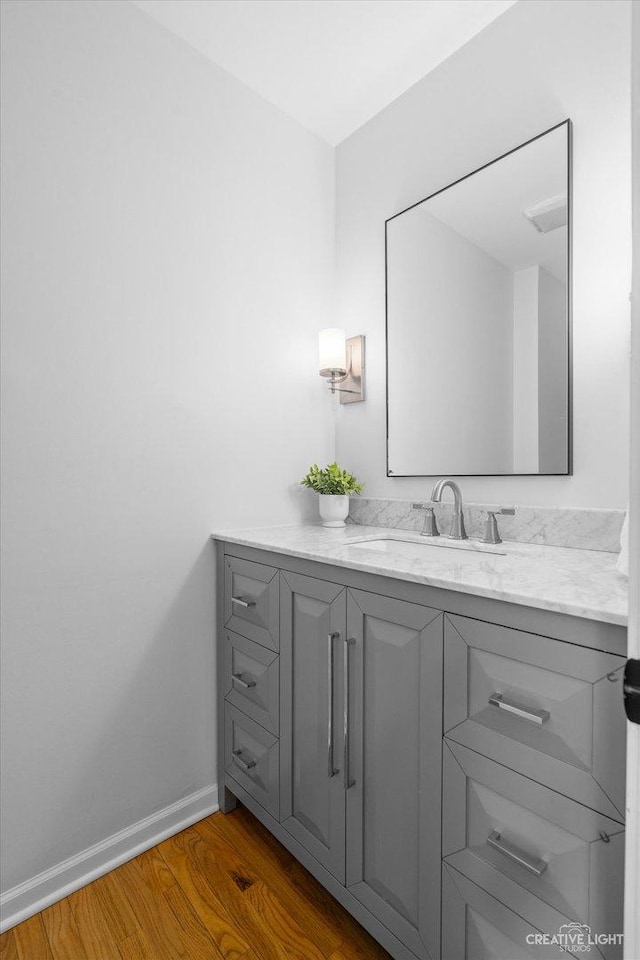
x=581, y=527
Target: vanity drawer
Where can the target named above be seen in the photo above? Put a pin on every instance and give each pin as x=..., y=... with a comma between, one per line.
x=252, y=680
x=546, y=857
x=548, y=709
x=251, y=601
x=252, y=758
x=476, y=926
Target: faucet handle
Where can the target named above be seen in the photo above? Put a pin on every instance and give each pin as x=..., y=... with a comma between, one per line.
x=430, y=528
x=491, y=532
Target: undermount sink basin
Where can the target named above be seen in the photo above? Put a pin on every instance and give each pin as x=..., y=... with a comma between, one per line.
x=400, y=547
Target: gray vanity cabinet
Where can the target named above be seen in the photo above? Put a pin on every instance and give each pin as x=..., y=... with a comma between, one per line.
x=449, y=767
x=313, y=631
x=394, y=722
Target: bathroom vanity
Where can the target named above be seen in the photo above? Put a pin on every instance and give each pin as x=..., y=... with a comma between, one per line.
x=438, y=737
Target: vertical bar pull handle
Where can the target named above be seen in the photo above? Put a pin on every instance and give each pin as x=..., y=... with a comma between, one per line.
x=331, y=770
x=348, y=782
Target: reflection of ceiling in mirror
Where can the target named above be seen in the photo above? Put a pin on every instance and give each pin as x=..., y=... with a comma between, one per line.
x=487, y=208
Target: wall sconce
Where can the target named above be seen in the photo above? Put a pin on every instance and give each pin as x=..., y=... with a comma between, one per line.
x=341, y=361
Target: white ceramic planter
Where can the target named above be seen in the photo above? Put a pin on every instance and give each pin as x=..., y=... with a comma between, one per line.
x=334, y=510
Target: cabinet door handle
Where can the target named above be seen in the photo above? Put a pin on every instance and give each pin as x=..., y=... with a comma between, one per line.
x=239, y=679
x=527, y=713
x=242, y=763
x=348, y=782
x=241, y=602
x=330, y=767
x=532, y=864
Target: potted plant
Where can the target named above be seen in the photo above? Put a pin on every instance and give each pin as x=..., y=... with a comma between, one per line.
x=333, y=486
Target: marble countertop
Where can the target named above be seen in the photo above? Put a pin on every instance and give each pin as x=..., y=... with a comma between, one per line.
x=582, y=583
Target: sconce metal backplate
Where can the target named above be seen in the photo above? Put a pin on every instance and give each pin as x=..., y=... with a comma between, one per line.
x=354, y=382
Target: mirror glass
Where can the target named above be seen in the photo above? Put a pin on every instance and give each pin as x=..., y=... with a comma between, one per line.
x=478, y=294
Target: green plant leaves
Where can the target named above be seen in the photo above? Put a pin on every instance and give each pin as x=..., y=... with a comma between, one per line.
x=331, y=481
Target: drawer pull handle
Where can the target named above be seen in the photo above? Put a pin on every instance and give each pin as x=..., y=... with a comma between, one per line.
x=532, y=864
x=241, y=602
x=527, y=713
x=239, y=679
x=242, y=763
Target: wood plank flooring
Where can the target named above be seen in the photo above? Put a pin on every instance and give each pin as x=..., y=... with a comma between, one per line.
x=224, y=888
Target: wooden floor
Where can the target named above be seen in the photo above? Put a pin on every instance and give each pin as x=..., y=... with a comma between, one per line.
x=223, y=888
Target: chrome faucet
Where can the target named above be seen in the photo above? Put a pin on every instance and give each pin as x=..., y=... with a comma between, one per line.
x=457, y=531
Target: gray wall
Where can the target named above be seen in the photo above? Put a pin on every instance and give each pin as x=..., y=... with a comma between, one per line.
x=537, y=64
x=167, y=255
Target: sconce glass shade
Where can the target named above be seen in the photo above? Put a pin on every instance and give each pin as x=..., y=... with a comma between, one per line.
x=332, y=355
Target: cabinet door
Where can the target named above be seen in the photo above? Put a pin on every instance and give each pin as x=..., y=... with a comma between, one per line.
x=394, y=748
x=313, y=620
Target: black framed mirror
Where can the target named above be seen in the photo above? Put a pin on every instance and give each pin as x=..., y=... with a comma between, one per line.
x=478, y=320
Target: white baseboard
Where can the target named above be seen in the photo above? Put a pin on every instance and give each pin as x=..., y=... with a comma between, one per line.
x=22, y=901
